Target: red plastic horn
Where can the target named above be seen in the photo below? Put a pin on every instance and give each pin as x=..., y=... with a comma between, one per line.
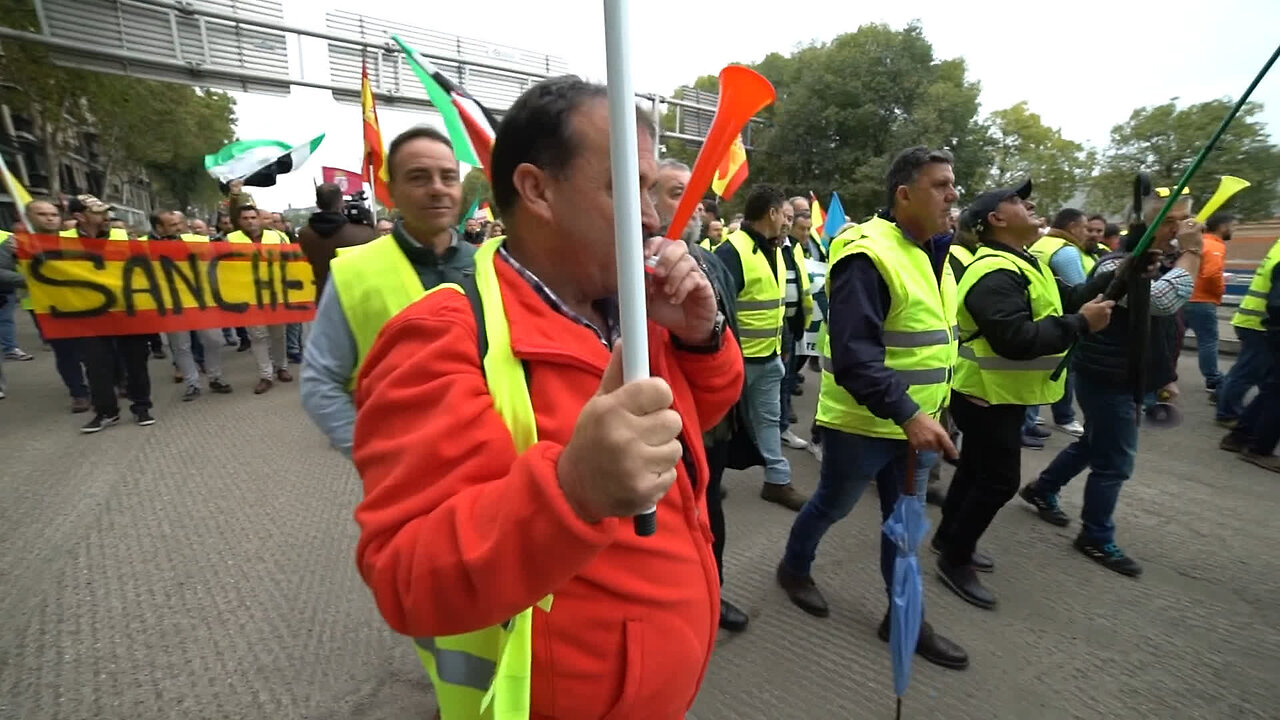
x=743, y=93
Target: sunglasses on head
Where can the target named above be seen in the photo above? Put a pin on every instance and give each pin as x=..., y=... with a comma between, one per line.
x=1164, y=192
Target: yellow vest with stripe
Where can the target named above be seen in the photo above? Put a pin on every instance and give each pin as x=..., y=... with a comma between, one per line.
x=269, y=237
x=1253, y=307
x=984, y=374
x=112, y=234
x=485, y=674
x=803, y=301
x=374, y=281
x=919, y=330
x=761, y=304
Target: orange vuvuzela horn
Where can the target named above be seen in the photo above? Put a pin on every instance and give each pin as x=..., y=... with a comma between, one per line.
x=743, y=93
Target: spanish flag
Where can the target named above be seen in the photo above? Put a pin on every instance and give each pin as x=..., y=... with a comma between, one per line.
x=732, y=171
x=375, y=168
x=815, y=212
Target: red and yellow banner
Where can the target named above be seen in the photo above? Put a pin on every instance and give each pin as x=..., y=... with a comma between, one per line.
x=82, y=287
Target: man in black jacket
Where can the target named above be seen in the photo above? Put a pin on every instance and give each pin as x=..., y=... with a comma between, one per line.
x=327, y=230
x=1016, y=321
x=1105, y=387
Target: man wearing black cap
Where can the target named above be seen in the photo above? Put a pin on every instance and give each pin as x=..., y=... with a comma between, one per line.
x=1013, y=333
x=100, y=353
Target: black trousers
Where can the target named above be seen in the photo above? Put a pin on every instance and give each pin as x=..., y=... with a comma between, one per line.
x=717, y=459
x=101, y=355
x=988, y=476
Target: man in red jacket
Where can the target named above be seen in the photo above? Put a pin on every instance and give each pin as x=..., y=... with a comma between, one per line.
x=460, y=532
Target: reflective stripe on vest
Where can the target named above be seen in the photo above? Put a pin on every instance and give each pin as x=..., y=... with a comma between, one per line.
x=980, y=371
x=486, y=673
x=761, y=303
x=1253, y=306
x=374, y=282
x=919, y=330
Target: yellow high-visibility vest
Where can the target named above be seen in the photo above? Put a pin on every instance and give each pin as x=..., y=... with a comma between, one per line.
x=919, y=332
x=112, y=234
x=484, y=674
x=1045, y=248
x=1253, y=307
x=374, y=281
x=961, y=253
x=269, y=237
x=761, y=303
x=984, y=374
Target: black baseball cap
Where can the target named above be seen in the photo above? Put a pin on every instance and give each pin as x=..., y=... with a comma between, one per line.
x=987, y=203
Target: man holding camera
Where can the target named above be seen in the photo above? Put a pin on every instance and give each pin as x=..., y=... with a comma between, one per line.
x=329, y=229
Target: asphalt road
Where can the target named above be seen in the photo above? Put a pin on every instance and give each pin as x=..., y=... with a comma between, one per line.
x=203, y=568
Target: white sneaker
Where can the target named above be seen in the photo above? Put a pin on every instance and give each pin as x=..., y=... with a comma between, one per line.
x=790, y=440
x=816, y=452
x=1072, y=428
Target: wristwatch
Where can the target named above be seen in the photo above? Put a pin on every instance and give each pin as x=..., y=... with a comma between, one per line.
x=709, y=347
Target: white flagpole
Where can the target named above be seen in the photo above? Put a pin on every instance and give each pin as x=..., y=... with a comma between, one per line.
x=625, y=163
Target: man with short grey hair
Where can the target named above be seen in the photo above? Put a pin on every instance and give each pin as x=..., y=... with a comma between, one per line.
x=673, y=176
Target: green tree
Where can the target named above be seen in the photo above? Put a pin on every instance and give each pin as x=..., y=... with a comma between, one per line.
x=162, y=130
x=47, y=93
x=845, y=108
x=476, y=189
x=1164, y=139
x=1023, y=146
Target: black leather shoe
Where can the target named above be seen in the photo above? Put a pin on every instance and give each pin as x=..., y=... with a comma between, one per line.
x=980, y=561
x=803, y=592
x=933, y=647
x=731, y=618
x=963, y=581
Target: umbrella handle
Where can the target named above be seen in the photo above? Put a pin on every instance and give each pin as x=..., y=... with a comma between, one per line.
x=911, y=471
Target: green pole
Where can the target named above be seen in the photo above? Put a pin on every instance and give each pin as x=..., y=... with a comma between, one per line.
x=1144, y=243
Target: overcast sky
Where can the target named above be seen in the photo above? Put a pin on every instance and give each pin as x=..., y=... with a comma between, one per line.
x=1082, y=65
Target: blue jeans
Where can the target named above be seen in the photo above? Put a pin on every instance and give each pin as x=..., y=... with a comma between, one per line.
x=849, y=463
x=8, y=329
x=1201, y=318
x=70, y=362
x=293, y=340
x=1251, y=366
x=763, y=393
x=1106, y=449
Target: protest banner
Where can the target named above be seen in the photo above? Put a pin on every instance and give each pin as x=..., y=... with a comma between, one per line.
x=84, y=287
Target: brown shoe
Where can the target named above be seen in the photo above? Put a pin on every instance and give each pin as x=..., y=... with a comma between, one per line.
x=262, y=386
x=785, y=495
x=283, y=375
x=81, y=404
x=1266, y=462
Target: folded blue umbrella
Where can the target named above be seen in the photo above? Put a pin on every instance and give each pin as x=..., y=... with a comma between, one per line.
x=906, y=527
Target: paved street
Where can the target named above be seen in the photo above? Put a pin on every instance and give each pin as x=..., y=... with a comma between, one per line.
x=203, y=568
